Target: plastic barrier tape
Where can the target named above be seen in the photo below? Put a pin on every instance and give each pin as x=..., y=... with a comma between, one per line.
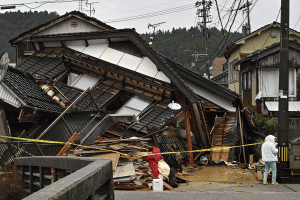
x=133, y=157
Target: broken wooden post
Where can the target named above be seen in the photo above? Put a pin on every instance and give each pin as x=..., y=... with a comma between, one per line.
x=188, y=137
x=65, y=148
x=242, y=135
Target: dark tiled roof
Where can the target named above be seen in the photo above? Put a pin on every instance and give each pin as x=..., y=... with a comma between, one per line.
x=40, y=65
x=205, y=83
x=69, y=92
x=159, y=116
x=29, y=91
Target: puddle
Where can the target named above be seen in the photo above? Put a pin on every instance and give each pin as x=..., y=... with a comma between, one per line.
x=221, y=173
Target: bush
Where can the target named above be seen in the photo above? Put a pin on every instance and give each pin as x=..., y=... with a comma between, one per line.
x=11, y=184
x=268, y=126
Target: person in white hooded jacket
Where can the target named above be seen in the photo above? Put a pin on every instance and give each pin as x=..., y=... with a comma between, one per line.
x=269, y=156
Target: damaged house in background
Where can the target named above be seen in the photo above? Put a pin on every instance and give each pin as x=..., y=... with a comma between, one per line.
x=78, y=77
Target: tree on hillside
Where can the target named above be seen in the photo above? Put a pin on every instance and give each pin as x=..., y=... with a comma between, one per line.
x=13, y=24
x=181, y=44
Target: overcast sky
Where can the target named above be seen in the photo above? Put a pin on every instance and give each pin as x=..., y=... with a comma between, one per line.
x=177, y=13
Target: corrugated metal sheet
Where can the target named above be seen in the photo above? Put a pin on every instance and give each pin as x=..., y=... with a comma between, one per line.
x=272, y=106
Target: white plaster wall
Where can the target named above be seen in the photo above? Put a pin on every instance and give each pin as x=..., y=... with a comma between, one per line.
x=85, y=81
x=66, y=27
x=96, y=47
x=100, y=49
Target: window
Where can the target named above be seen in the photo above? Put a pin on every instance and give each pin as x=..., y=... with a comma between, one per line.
x=81, y=81
x=247, y=80
x=134, y=106
x=269, y=82
x=233, y=73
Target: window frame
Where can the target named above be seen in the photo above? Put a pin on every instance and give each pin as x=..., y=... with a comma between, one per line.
x=260, y=86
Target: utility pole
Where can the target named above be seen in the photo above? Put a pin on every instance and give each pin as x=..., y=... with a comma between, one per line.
x=246, y=8
x=204, y=18
x=283, y=120
x=154, y=27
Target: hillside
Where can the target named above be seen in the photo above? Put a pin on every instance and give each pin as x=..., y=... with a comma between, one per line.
x=13, y=24
x=180, y=45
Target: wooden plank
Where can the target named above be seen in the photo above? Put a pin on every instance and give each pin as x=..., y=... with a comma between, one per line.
x=126, y=170
x=242, y=135
x=126, y=186
x=66, y=147
x=114, y=157
x=189, y=137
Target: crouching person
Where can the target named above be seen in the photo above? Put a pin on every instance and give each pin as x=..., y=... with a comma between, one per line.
x=269, y=156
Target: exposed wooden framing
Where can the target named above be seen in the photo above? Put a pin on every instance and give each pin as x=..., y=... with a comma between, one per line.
x=242, y=135
x=118, y=77
x=199, y=124
x=188, y=137
x=223, y=131
x=194, y=126
x=203, y=120
x=175, y=117
x=66, y=146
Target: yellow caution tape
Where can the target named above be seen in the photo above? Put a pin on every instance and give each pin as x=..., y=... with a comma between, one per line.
x=129, y=156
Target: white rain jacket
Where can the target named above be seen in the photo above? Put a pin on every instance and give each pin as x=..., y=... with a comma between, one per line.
x=269, y=150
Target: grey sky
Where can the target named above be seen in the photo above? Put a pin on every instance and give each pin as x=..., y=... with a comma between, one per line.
x=182, y=13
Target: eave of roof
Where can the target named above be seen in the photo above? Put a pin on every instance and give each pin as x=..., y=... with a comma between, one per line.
x=258, y=54
x=78, y=14
x=202, y=82
x=241, y=41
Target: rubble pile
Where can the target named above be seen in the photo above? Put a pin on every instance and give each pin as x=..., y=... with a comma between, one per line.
x=134, y=161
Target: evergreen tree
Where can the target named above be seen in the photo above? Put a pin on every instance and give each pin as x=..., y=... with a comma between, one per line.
x=13, y=24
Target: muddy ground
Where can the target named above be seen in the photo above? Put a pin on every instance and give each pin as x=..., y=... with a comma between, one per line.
x=219, y=173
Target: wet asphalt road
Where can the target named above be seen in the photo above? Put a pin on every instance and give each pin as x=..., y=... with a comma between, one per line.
x=220, y=191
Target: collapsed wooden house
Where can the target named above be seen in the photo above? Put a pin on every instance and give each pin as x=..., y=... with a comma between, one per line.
x=98, y=77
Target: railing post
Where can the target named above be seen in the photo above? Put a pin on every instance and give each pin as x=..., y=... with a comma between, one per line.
x=30, y=179
x=41, y=177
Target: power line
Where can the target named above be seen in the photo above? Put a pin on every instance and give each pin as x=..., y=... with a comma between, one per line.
x=153, y=14
x=219, y=17
x=37, y=2
x=127, y=11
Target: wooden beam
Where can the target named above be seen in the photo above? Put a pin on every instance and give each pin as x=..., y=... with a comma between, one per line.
x=188, y=137
x=66, y=147
x=242, y=135
x=204, y=124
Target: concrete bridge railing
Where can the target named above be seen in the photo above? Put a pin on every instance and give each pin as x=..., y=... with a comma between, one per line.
x=64, y=178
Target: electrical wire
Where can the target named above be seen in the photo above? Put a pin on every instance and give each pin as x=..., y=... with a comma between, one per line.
x=296, y=23
x=153, y=14
x=127, y=11
x=220, y=17
x=37, y=2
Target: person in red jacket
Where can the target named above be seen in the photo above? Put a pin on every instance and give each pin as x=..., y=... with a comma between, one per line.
x=153, y=161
